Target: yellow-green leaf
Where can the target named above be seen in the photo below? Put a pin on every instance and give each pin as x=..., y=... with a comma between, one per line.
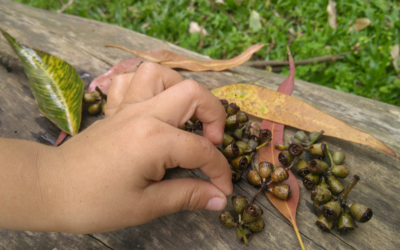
x=56, y=85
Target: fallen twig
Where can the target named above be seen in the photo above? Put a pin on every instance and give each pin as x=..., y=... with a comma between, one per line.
x=65, y=6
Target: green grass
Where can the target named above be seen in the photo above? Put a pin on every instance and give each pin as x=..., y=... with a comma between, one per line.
x=369, y=72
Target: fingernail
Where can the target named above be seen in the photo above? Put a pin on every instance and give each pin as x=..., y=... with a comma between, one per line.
x=216, y=204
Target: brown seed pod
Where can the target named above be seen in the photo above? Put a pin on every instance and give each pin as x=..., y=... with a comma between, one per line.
x=254, y=177
x=285, y=158
x=240, y=162
x=236, y=174
x=231, y=151
x=265, y=169
x=232, y=109
x=318, y=149
x=302, y=168
x=317, y=166
x=227, y=219
x=239, y=202
x=321, y=195
x=324, y=223
x=254, y=131
x=331, y=210
x=310, y=180
x=295, y=149
x=280, y=174
x=242, y=117
x=265, y=135
x=251, y=213
x=281, y=191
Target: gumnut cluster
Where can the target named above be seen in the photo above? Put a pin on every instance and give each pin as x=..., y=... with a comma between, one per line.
x=247, y=221
x=97, y=101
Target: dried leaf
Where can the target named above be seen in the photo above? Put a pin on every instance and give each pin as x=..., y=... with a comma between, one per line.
x=254, y=22
x=104, y=81
x=277, y=107
x=195, y=28
x=172, y=60
x=331, y=9
x=360, y=24
x=394, y=53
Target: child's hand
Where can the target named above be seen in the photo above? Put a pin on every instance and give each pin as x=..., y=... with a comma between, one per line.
x=111, y=173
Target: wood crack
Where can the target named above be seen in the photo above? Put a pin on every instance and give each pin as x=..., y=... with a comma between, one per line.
x=98, y=240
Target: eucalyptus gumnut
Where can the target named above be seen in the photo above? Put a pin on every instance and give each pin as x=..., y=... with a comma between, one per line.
x=240, y=162
x=318, y=149
x=231, y=151
x=345, y=223
x=254, y=131
x=302, y=168
x=265, y=135
x=251, y=213
x=281, y=192
x=242, y=117
x=331, y=210
x=252, y=144
x=232, y=109
x=285, y=158
x=236, y=174
x=315, y=136
x=239, y=202
x=321, y=195
x=317, y=166
x=94, y=109
x=238, y=133
x=231, y=122
x=334, y=185
x=254, y=177
x=295, y=149
x=280, y=174
x=239, y=235
x=256, y=226
x=224, y=103
x=91, y=97
x=265, y=169
x=317, y=207
x=310, y=180
x=324, y=223
x=340, y=171
x=338, y=158
x=360, y=212
x=243, y=147
x=301, y=136
x=227, y=219
x=227, y=140
x=323, y=183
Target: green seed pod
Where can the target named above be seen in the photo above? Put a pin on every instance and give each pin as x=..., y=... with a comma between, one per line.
x=338, y=158
x=227, y=140
x=360, y=212
x=323, y=183
x=280, y=174
x=224, y=103
x=246, y=231
x=331, y=210
x=302, y=168
x=239, y=202
x=301, y=136
x=317, y=207
x=281, y=147
x=251, y=213
x=281, y=192
x=95, y=108
x=236, y=174
x=324, y=223
x=227, y=219
x=345, y=223
x=265, y=135
x=265, y=169
x=254, y=177
x=334, y=185
x=254, y=131
x=231, y=122
x=321, y=195
x=231, y=151
x=307, y=156
x=252, y=144
x=232, y=109
x=315, y=136
x=194, y=119
x=242, y=117
x=295, y=149
x=238, y=133
x=340, y=171
x=243, y=147
x=285, y=158
x=240, y=162
x=310, y=180
x=318, y=149
x=256, y=226
x=317, y=166
x=91, y=97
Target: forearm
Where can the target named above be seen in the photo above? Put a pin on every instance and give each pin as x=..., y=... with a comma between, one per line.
x=26, y=192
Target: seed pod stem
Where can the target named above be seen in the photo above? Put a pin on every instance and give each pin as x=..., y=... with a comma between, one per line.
x=329, y=155
x=343, y=196
x=281, y=147
x=262, y=145
x=103, y=96
x=316, y=137
x=243, y=235
x=259, y=191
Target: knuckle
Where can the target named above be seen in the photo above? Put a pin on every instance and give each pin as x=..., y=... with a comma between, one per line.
x=206, y=146
x=193, y=199
x=148, y=67
x=192, y=87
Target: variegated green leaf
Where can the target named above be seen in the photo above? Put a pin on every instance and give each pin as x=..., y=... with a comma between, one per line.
x=56, y=85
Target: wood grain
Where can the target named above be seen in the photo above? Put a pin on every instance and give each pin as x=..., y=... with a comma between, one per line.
x=81, y=42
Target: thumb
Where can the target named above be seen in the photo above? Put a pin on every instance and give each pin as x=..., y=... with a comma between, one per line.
x=184, y=194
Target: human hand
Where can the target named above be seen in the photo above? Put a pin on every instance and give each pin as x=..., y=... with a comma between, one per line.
x=111, y=174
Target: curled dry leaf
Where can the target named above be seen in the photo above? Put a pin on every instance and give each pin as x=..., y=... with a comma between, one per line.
x=331, y=9
x=360, y=24
x=394, y=53
x=172, y=60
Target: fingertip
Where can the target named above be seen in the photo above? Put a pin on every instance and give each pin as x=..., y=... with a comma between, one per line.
x=216, y=203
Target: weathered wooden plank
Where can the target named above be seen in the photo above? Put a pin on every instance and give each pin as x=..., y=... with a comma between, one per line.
x=80, y=42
